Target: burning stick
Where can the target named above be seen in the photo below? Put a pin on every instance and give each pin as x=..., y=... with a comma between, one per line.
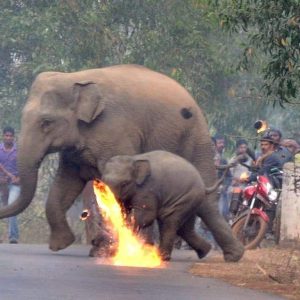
x=85, y=215
x=104, y=244
x=131, y=251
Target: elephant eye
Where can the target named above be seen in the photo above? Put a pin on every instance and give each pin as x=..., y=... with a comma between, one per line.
x=46, y=123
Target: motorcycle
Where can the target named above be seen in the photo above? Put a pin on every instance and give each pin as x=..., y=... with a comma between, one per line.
x=248, y=207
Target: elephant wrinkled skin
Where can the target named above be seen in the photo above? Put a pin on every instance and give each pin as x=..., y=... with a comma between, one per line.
x=90, y=116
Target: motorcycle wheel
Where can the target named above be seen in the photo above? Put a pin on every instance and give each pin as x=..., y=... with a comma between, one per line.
x=256, y=231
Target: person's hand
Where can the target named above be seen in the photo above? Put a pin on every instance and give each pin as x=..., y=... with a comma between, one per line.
x=258, y=162
x=15, y=180
x=217, y=163
x=244, y=178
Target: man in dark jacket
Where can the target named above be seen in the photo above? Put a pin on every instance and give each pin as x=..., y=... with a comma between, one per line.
x=268, y=160
x=266, y=164
x=282, y=152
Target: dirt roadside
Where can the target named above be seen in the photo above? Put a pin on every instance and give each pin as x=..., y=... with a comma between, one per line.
x=275, y=270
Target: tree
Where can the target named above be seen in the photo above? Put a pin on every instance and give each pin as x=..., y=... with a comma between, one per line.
x=46, y=35
x=273, y=27
x=71, y=35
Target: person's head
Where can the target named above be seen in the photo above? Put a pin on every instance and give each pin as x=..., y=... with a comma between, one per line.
x=219, y=142
x=276, y=135
x=267, y=143
x=241, y=146
x=291, y=145
x=8, y=136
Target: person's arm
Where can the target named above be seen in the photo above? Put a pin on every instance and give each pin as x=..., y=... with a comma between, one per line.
x=261, y=159
x=14, y=179
x=8, y=174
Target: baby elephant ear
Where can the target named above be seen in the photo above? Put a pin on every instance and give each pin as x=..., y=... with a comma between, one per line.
x=88, y=101
x=142, y=171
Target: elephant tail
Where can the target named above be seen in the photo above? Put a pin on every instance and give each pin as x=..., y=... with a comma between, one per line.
x=211, y=189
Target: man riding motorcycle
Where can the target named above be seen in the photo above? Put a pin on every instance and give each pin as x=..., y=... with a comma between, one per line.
x=270, y=165
x=267, y=161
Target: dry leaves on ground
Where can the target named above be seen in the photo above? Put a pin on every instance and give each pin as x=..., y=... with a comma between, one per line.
x=274, y=270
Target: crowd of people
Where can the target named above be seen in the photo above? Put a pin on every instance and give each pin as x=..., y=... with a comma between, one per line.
x=273, y=153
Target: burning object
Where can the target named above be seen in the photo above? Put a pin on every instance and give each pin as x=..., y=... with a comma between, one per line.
x=85, y=215
x=126, y=248
x=261, y=126
x=104, y=243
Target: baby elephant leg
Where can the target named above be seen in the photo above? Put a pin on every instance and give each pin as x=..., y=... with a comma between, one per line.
x=187, y=232
x=167, y=230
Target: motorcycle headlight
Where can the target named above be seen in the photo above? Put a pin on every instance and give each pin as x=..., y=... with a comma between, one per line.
x=272, y=195
x=268, y=187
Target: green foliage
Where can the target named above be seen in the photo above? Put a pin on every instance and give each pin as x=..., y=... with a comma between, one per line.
x=272, y=27
x=48, y=35
x=72, y=35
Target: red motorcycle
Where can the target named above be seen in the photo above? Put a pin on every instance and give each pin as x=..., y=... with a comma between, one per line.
x=250, y=222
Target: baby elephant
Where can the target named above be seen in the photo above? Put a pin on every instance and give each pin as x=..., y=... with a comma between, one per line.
x=163, y=186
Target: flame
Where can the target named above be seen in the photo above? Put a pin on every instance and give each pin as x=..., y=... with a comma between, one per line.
x=131, y=251
x=244, y=176
x=264, y=127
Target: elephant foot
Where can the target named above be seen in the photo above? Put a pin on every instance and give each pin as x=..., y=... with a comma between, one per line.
x=97, y=251
x=103, y=246
x=203, y=252
x=59, y=241
x=234, y=254
x=165, y=256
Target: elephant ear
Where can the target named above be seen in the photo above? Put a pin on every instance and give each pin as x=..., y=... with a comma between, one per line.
x=142, y=171
x=89, y=103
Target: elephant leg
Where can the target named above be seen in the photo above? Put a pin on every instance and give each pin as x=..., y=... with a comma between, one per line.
x=233, y=250
x=65, y=189
x=168, y=234
x=187, y=232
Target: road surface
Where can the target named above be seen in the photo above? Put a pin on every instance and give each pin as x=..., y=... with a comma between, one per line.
x=32, y=272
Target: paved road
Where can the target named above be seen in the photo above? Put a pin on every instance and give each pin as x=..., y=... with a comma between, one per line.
x=32, y=272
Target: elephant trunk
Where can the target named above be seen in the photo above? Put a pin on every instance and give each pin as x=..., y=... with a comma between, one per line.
x=28, y=172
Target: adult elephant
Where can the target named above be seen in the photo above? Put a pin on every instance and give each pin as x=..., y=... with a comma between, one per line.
x=93, y=115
